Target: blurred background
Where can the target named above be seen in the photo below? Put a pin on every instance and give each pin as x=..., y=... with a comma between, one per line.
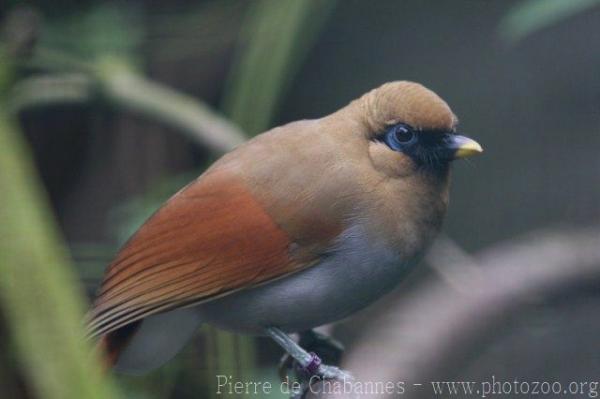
x=108, y=108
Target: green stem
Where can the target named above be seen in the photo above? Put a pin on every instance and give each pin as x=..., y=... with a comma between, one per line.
x=123, y=87
x=277, y=37
x=128, y=90
x=40, y=295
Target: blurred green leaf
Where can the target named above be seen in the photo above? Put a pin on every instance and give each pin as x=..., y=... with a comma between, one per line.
x=277, y=37
x=6, y=70
x=40, y=294
x=106, y=29
x=530, y=16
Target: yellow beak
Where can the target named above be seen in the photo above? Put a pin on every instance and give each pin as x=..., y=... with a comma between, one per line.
x=464, y=147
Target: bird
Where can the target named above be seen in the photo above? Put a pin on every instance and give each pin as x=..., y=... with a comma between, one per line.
x=301, y=226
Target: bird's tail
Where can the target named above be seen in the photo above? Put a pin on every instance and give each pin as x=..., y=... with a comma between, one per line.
x=142, y=346
x=111, y=345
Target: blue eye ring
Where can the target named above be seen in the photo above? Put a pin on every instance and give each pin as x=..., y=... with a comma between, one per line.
x=400, y=136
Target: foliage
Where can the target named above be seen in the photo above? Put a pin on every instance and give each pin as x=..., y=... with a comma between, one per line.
x=39, y=292
x=94, y=54
x=102, y=30
x=530, y=16
x=277, y=36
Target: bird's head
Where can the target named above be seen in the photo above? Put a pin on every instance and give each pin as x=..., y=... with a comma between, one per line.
x=410, y=128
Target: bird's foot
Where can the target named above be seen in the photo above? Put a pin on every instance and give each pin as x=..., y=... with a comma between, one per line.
x=314, y=373
x=316, y=368
x=308, y=366
x=327, y=372
x=330, y=351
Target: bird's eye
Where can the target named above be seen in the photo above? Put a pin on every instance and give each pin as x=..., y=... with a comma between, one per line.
x=404, y=134
x=400, y=136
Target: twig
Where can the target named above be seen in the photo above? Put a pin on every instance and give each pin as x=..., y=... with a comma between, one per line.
x=122, y=87
x=40, y=91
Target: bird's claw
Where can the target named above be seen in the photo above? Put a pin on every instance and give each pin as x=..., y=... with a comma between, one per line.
x=313, y=371
x=330, y=349
x=327, y=372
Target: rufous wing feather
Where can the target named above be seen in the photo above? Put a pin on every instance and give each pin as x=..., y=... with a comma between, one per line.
x=210, y=239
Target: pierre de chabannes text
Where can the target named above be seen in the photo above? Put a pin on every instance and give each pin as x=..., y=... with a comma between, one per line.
x=227, y=385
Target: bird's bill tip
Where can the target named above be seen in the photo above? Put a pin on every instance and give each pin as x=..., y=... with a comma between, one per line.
x=465, y=147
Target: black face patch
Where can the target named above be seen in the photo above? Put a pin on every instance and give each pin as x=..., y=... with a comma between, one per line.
x=427, y=148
